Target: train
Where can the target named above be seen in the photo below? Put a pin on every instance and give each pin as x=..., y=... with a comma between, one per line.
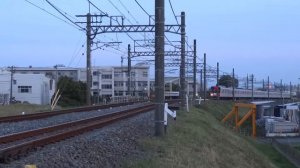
x=225, y=93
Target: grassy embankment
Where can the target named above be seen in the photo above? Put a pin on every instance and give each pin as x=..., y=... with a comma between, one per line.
x=198, y=139
x=17, y=109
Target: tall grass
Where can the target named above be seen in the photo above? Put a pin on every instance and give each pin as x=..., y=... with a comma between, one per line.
x=198, y=139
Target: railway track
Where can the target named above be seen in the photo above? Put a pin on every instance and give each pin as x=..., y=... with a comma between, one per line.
x=59, y=112
x=14, y=145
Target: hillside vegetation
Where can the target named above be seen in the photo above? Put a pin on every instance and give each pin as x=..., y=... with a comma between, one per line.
x=198, y=139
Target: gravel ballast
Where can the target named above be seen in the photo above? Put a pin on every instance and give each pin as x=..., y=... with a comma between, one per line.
x=109, y=146
x=14, y=127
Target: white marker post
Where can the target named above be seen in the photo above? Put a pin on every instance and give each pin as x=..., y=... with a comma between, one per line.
x=166, y=112
x=187, y=103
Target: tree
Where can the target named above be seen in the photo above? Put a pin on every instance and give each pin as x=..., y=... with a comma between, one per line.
x=226, y=80
x=73, y=92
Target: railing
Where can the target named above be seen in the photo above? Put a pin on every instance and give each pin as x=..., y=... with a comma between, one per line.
x=238, y=122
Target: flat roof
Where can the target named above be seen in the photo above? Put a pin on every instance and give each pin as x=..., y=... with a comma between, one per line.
x=261, y=102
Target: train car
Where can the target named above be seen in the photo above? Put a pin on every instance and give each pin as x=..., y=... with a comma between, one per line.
x=171, y=95
x=223, y=92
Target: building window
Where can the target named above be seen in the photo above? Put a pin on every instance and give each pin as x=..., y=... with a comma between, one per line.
x=51, y=84
x=95, y=83
x=118, y=74
x=118, y=83
x=106, y=86
x=14, y=82
x=25, y=89
x=142, y=83
x=95, y=73
x=118, y=93
x=133, y=74
x=145, y=74
x=106, y=76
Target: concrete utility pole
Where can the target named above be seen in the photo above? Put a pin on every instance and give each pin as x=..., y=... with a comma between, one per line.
x=129, y=71
x=195, y=70
x=159, y=66
x=290, y=89
x=88, y=59
x=99, y=84
x=201, y=84
x=233, y=85
x=204, y=74
x=182, y=64
x=12, y=71
x=281, y=88
x=268, y=87
x=247, y=83
x=252, y=87
x=218, y=72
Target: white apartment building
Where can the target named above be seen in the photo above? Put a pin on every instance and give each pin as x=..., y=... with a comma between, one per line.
x=107, y=82
x=4, y=86
x=31, y=88
x=113, y=81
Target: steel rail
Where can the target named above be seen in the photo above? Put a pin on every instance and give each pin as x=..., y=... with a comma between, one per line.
x=15, y=151
x=46, y=114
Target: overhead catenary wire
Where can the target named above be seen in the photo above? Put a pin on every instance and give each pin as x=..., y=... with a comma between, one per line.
x=173, y=11
x=51, y=4
x=104, y=13
x=51, y=14
x=124, y=17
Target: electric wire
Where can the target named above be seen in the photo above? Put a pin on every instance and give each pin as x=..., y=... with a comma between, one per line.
x=50, y=13
x=173, y=11
x=64, y=15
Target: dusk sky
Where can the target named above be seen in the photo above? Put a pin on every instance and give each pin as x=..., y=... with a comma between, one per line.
x=253, y=36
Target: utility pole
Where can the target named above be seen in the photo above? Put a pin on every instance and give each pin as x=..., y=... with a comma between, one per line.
x=233, y=85
x=204, y=82
x=88, y=59
x=12, y=71
x=195, y=70
x=99, y=84
x=218, y=72
x=268, y=87
x=159, y=66
x=252, y=87
x=247, y=84
x=290, y=89
x=129, y=71
x=201, y=82
x=281, y=88
x=182, y=64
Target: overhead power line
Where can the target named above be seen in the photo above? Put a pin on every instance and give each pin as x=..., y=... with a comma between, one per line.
x=104, y=13
x=81, y=28
x=31, y=3
x=142, y=7
x=173, y=11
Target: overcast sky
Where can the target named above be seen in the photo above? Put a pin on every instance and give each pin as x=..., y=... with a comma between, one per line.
x=252, y=36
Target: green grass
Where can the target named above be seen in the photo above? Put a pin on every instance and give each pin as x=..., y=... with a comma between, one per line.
x=198, y=139
x=298, y=148
x=17, y=109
